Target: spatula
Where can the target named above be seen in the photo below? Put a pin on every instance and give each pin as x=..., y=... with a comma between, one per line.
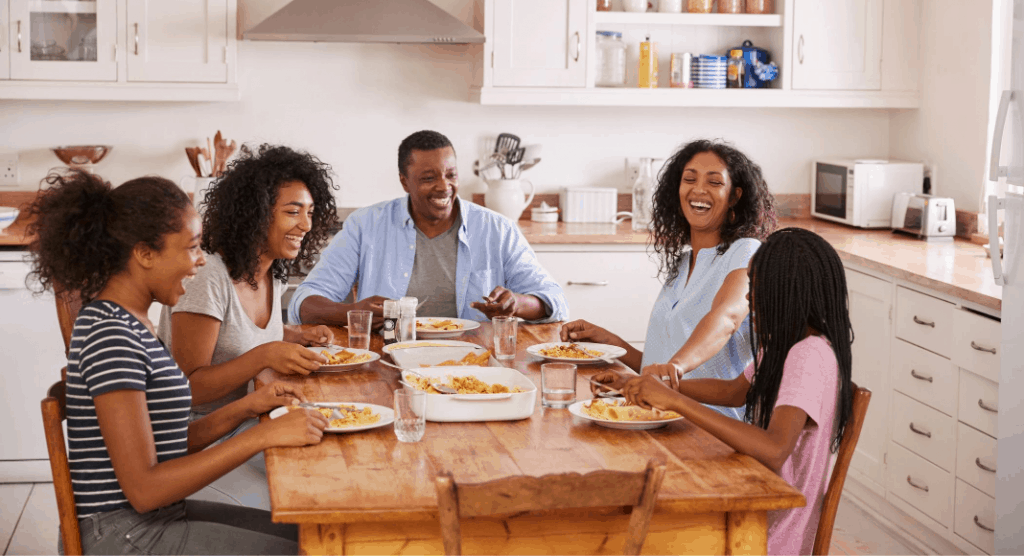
x=506, y=143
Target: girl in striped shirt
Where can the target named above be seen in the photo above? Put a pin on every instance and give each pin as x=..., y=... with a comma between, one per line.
x=133, y=454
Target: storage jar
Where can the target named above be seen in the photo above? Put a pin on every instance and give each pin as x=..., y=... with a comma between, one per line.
x=604, y=5
x=700, y=6
x=731, y=6
x=611, y=60
x=760, y=7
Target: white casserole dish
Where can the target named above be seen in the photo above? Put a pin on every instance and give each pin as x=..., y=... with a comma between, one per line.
x=414, y=358
x=460, y=408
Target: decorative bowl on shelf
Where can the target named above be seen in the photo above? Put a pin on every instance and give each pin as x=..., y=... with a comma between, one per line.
x=80, y=155
x=7, y=216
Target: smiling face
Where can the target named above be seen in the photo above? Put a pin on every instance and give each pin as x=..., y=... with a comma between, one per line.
x=431, y=179
x=291, y=219
x=179, y=260
x=706, y=193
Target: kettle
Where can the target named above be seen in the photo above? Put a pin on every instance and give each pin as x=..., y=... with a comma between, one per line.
x=506, y=197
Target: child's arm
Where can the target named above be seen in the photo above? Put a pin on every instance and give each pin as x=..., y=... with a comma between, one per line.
x=771, y=447
x=209, y=429
x=714, y=391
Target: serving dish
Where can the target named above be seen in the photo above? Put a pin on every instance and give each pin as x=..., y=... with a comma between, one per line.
x=430, y=333
x=612, y=352
x=387, y=415
x=343, y=366
x=577, y=410
x=392, y=348
x=80, y=155
x=457, y=408
x=432, y=356
x=7, y=216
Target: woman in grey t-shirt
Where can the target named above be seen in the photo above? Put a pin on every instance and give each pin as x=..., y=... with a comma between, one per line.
x=271, y=210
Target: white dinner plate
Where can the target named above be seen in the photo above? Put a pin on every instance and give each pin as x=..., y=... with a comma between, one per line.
x=427, y=343
x=344, y=366
x=387, y=415
x=429, y=334
x=577, y=410
x=606, y=350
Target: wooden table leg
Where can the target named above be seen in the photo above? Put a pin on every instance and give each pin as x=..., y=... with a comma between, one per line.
x=321, y=539
x=746, y=533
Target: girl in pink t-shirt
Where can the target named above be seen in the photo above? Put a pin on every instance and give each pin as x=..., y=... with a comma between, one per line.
x=798, y=394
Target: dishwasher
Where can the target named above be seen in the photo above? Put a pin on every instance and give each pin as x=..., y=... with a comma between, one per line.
x=31, y=357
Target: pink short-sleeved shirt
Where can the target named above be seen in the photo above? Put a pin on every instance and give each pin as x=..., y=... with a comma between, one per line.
x=810, y=379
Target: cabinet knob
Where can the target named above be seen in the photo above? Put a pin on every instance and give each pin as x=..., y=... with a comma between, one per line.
x=919, y=431
x=577, y=57
x=924, y=322
x=982, y=466
x=800, y=49
x=985, y=349
x=914, y=374
x=982, y=405
x=136, y=39
x=917, y=486
x=978, y=523
x=19, y=35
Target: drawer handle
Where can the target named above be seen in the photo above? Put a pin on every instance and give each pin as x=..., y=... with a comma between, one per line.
x=921, y=432
x=978, y=523
x=982, y=405
x=924, y=322
x=977, y=461
x=985, y=349
x=919, y=487
x=914, y=374
x=597, y=283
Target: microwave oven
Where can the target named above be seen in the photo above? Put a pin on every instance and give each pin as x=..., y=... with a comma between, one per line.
x=860, y=192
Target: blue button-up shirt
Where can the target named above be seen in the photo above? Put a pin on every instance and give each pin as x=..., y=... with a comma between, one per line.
x=377, y=248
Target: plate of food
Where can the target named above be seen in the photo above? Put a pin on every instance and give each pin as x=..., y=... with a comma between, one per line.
x=445, y=356
x=391, y=348
x=578, y=352
x=615, y=413
x=438, y=327
x=343, y=359
x=485, y=393
x=355, y=416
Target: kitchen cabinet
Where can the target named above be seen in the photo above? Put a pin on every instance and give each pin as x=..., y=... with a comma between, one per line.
x=63, y=41
x=838, y=44
x=540, y=43
x=180, y=41
x=5, y=53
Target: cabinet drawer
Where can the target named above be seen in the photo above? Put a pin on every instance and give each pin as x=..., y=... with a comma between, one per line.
x=924, y=431
x=924, y=321
x=924, y=376
x=975, y=517
x=976, y=343
x=921, y=484
x=976, y=459
x=979, y=400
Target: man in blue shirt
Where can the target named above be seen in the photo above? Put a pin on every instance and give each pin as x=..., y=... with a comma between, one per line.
x=458, y=258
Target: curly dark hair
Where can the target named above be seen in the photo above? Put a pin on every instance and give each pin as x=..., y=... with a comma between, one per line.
x=755, y=210
x=238, y=208
x=425, y=140
x=84, y=230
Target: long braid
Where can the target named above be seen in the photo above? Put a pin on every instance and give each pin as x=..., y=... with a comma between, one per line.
x=797, y=280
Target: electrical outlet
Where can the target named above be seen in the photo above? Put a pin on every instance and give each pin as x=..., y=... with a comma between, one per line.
x=8, y=169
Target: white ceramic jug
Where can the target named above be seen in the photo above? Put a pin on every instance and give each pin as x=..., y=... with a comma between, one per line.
x=506, y=197
x=197, y=186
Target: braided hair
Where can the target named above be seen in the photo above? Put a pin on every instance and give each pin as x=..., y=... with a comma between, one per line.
x=797, y=281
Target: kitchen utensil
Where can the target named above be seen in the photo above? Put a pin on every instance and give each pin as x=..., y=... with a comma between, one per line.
x=505, y=144
x=600, y=356
x=335, y=414
x=514, y=157
x=191, y=153
x=526, y=166
x=442, y=388
x=81, y=155
x=607, y=389
x=204, y=164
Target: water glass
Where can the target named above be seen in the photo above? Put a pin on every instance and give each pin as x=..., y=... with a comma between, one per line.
x=505, y=332
x=557, y=384
x=410, y=414
x=359, y=329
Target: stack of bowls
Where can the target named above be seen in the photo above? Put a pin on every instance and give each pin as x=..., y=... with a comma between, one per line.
x=708, y=72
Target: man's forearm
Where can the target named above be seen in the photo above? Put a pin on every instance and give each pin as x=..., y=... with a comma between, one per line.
x=316, y=309
x=530, y=307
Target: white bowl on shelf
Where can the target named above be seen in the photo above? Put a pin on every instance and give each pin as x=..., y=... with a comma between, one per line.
x=634, y=5
x=7, y=216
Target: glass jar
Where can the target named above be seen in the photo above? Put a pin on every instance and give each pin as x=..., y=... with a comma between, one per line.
x=734, y=71
x=604, y=5
x=611, y=60
x=700, y=6
x=731, y=6
x=760, y=7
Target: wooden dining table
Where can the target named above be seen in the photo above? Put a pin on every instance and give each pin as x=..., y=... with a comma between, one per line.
x=367, y=493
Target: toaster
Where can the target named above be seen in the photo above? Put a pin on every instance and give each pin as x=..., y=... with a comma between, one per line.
x=925, y=216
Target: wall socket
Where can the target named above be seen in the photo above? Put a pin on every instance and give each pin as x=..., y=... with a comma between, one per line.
x=8, y=169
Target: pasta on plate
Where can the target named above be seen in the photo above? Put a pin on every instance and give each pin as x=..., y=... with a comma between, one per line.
x=345, y=357
x=463, y=384
x=353, y=417
x=570, y=351
x=611, y=411
x=432, y=324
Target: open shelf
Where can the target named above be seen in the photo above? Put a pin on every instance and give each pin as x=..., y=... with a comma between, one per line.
x=720, y=20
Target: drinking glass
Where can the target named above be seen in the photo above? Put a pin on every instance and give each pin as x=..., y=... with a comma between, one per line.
x=557, y=384
x=505, y=331
x=359, y=329
x=410, y=414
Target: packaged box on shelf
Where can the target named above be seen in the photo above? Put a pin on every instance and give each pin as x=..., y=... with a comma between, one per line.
x=588, y=204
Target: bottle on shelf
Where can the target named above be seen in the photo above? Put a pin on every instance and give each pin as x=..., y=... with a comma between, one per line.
x=643, y=197
x=734, y=72
x=648, y=66
x=611, y=59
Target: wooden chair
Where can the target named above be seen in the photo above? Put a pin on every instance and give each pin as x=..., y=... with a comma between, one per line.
x=823, y=537
x=68, y=305
x=54, y=414
x=556, y=491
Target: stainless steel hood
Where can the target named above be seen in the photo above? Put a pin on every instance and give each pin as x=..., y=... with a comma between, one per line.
x=394, y=21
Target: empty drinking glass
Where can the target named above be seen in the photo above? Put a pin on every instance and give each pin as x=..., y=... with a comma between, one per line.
x=410, y=414
x=505, y=331
x=359, y=329
x=557, y=384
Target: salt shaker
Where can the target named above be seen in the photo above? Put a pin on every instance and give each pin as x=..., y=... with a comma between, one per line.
x=391, y=313
x=407, y=319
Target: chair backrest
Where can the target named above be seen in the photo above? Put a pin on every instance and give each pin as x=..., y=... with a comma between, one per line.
x=556, y=491
x=847, y=444
x=68, y=305
x=54, y=413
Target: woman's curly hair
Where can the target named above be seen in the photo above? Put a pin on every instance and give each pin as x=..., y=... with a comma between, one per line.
x=84, y=231
x=238, y=209
x=754, y=212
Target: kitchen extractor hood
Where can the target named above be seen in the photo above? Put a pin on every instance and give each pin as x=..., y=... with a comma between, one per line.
x=392, y=21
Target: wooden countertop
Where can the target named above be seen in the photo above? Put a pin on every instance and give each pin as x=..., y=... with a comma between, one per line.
x=581, y=233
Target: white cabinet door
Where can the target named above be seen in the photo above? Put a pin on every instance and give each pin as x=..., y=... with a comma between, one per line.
x=838, y=44
x=5, y=50
x=63, y=40
x=540, y=43
x=179, y=41
x=870, y=308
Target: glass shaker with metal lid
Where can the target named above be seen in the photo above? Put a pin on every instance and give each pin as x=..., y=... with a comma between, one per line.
x=611, y=60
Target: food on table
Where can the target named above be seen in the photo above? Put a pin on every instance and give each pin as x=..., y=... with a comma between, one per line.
x=346, y=357
x=437, y=325
x=610, y=411
x=416, y=345
x=463, y=384
x=570, y=351
x=353, y=416
x=469, y=360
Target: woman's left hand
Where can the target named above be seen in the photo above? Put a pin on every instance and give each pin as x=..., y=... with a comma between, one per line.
x=272, y=396
x=666, y=372
x=317, y=336
x=647, y=392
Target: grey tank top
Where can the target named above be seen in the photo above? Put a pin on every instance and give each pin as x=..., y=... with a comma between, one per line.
x=433, y=272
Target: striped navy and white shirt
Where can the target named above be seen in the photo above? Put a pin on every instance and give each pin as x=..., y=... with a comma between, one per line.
x=111, y=350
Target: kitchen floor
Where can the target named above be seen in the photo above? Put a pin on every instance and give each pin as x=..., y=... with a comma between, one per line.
x=28, y=525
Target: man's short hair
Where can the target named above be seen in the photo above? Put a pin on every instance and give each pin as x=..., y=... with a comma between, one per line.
x=425, y=140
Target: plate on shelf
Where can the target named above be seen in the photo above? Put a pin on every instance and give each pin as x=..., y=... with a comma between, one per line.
x=440, y=327
x=426, y=343
x=359, y=357
x=386, y=414
x=605, y=350
x=577, y=410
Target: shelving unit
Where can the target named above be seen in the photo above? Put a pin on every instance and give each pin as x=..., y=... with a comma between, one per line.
x=717, y=20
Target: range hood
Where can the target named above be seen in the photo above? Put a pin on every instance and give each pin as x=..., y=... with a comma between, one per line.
x=392, y=21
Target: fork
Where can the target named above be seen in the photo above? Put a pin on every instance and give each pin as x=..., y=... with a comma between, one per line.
x=335, y=413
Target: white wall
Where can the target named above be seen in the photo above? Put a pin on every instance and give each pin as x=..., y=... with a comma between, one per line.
x=950, y=130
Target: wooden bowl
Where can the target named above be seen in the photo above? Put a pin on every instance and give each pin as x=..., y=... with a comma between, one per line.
x=78, y=155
